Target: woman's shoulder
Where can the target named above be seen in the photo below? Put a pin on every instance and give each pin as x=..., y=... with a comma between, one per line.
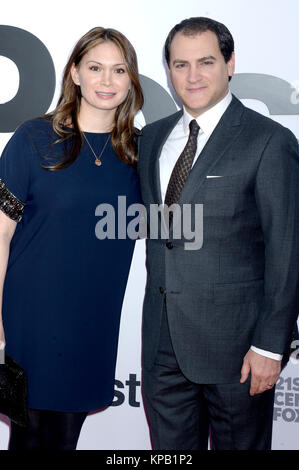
x=32, y=137
x=35, y=130
x=42, y=123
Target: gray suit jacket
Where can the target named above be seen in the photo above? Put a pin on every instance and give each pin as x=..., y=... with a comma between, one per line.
x=242, y=287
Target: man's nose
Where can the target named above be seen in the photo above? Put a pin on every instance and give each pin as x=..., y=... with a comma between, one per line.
x=194, y=74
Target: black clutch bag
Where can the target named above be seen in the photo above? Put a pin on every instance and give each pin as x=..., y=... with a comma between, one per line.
x=13, y=391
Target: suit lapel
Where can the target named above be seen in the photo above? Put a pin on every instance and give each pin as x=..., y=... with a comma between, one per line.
x=164, y=131
x=221, y=139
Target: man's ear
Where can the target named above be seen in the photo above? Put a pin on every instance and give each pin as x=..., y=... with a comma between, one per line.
x=231, y=65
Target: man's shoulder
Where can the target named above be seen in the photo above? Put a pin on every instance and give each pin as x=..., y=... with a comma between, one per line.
x=161, y=123
x=264, y=124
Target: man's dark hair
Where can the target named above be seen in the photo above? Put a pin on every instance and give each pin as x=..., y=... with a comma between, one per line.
x=197, y=25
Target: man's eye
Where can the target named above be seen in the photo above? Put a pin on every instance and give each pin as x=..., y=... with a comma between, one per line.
x=207, y=62
x=180, y=66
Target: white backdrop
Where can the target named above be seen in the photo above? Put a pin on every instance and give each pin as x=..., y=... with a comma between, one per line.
x=266, y=40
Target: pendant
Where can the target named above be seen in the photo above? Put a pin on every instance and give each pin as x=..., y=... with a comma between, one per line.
x=98, y=162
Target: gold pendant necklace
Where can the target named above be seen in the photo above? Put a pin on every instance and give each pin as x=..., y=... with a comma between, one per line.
x=97, y=159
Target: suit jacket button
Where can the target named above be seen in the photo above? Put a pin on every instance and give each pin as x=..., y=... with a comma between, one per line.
x=162, y=290
x=169, y=245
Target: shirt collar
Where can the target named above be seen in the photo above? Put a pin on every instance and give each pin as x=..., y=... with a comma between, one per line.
x=208, y=120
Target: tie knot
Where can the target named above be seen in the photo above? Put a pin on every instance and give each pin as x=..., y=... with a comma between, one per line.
x=194, y=127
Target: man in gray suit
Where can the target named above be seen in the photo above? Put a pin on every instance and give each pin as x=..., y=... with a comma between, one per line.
x=217, y=320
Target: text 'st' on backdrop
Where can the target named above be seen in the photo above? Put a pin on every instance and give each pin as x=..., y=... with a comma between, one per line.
x=35, y=41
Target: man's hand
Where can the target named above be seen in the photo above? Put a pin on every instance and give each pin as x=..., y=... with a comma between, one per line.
x=264, y=372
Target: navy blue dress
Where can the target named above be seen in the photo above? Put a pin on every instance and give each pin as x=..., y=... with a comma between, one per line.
x=64, y=286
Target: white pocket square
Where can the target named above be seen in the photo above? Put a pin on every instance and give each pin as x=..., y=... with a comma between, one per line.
x=214, y=176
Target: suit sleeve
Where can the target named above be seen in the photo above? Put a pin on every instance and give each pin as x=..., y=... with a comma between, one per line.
x=277, y=198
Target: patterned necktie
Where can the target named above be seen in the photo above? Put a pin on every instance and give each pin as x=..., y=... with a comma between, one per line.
x=182, y=167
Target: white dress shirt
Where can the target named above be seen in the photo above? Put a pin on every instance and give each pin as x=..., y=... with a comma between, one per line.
x=174, y=146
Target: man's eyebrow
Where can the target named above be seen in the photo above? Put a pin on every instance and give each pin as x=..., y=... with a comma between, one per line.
x=209, y=57
x=201, y=59
x=180, y=61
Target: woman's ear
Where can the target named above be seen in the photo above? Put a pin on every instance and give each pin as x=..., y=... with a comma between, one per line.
x=75, y=75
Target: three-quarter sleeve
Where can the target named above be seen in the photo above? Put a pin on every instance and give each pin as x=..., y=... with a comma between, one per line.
x=15, y=174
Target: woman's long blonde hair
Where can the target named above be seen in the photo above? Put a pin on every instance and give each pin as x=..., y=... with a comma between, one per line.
x=123, y=136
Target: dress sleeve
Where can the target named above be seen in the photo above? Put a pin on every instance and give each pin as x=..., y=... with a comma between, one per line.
x=15, y=175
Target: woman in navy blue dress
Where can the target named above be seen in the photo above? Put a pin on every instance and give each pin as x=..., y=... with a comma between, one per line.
x=62, y=280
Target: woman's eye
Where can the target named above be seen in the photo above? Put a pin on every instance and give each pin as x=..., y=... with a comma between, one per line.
x=120, y=70
x=94, y=68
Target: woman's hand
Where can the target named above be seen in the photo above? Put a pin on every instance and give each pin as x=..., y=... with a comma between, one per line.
x=2, y=338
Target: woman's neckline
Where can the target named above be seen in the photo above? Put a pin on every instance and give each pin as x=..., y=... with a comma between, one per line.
x=89, y=132
x=96, y=133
